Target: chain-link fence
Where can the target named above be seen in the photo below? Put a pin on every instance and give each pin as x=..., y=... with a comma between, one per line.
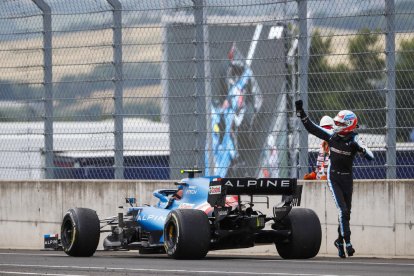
x=141, y=89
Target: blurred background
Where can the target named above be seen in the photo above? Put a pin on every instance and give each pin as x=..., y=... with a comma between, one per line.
x=103, y=89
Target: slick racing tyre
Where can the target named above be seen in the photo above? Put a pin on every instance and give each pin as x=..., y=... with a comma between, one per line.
x=306, y=235
x=80, y=232
x=187, y=234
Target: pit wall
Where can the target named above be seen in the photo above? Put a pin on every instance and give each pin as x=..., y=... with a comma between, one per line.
x=381, y=221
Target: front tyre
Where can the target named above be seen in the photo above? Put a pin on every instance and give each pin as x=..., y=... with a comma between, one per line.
x=187, y=234
x=306, y=235
x=80, y=232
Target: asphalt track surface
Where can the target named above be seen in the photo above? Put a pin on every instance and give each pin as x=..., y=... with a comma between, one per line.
x=26, y=262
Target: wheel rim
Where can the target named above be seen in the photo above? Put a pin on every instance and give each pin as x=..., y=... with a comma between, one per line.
x=171, y=235
x=67, y=234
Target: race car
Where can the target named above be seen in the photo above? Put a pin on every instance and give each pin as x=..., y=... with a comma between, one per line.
x=202, y=214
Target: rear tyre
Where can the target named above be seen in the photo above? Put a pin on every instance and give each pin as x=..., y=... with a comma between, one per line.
x=80, y=232
x=306, y=235
x=187, y=234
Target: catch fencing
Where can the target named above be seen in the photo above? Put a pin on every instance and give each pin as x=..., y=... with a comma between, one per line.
x=141, y=89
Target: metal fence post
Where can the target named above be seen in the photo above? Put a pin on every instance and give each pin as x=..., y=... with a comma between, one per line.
x=210, y=167
x=118, y=95
x=47, y=83
x=164, y=67
x=295, y=122
x=390, y=89
x=303, y=83
x=199, y=77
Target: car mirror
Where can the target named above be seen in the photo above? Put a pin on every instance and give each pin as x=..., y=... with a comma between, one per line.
x=131, y=201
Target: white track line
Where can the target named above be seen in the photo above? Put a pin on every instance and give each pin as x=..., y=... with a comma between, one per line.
x=338, y=262
x=255, y=260
x=33, y=255
x=210, y=272
x=32, y=273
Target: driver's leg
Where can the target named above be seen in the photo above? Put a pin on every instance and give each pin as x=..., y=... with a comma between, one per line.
x=334, y=183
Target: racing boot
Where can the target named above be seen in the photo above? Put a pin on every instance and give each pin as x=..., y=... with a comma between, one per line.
x=339, y=244
x=349, y=249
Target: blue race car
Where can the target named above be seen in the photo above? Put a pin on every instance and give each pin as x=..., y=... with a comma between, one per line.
x=202, y=214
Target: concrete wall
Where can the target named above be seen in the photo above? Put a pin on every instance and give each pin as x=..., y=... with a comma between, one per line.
x=30, y=209
x=381, y=221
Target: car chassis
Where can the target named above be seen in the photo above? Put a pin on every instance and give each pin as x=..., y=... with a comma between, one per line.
x=206, y=218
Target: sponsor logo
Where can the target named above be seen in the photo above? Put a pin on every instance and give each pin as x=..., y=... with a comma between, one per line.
x=51, y=241
x=215, y=190
x=222, y=212
x=186, y=206
x=151, y=217
x=340, y=151
x=283, y=183
x=275, y=32
x=349, y=117
x=191, y=191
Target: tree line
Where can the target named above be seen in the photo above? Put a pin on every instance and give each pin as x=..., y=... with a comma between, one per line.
x=357, y=81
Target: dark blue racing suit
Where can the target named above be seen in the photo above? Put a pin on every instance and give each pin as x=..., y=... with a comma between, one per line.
x=342, y=152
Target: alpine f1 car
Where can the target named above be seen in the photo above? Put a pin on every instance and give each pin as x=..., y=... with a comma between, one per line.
x=202, y=214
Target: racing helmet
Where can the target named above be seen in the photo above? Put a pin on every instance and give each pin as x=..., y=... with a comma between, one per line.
x=345, y=122
x=327, y=122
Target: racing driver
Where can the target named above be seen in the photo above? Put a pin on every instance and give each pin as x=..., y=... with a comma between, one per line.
x=344, y=144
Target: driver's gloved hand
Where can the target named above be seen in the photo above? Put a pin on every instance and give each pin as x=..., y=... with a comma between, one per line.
x=299, y=109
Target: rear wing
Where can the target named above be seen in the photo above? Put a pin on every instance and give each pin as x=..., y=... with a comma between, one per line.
x=220, y=187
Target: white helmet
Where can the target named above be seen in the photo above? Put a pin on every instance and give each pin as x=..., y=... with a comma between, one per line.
x=326, y=121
